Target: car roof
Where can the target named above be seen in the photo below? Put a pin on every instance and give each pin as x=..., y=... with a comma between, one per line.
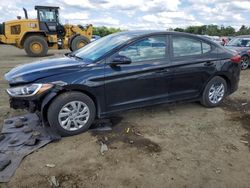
x=243, y=36
x=152, y=32
x=142, y=33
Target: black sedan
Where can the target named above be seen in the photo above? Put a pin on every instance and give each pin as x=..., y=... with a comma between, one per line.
x=123, y=71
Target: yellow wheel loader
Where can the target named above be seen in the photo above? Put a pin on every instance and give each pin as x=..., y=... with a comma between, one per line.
x=36, y=36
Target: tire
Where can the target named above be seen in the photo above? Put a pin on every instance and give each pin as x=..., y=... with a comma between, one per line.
x=217, y=82
x=245, y=61
x=36, y=46
x=78, y=42
x=60, y=106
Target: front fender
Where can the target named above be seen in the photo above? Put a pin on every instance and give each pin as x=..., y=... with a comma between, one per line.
x=45, y=104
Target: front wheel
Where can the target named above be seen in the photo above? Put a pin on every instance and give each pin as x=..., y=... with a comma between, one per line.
x=244, y=62
x=71, y=113
x=214, y=92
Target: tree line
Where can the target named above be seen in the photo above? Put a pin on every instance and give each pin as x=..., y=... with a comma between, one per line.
x=212, y=30
x=215, y=30
x=103, y=31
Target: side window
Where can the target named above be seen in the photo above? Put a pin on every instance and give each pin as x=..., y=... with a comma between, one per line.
x=184, y=46
x=146, y=49
x=205, y=47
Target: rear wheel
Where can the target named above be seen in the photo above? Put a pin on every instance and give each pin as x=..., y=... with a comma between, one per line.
x=214, y=92
x=36, y=46
x=71, y=113
x=244, y=62
x=78, y=42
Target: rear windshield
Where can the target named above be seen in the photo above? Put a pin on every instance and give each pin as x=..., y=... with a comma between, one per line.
x=240, y=42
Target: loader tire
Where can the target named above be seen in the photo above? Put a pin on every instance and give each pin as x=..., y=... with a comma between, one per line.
x=78, y=42
x=36, y=46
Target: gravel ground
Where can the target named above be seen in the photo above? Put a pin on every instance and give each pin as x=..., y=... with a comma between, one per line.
x=180, y=145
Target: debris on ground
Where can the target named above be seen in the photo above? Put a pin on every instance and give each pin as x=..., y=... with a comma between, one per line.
x=36, y=133
x=244, y=141
x=19, y=141
x=105, y=138
x=4, y=164
x=218, y=171
x=31, y=142
x=19, y=124
x=101, y=125
x=27, y=130
x=104, y=148
x=53, y=181
x=2, y=137
x=50, y=165
x=136, y=132
x=13, y=141
x=128, y=129
x=178, y=158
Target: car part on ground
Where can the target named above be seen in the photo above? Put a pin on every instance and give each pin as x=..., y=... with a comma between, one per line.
x=124, y=71
x=18, y=143
x=36, y=36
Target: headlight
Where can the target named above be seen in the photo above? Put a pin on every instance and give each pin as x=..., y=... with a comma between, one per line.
x=28, y=90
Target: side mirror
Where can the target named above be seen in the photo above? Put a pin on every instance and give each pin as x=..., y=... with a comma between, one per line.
x=120, y=60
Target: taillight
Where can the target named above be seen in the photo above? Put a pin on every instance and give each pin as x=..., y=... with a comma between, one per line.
x=248, y=52
x=236, y=59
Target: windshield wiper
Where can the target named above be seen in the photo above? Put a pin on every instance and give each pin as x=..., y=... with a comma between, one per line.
x=72, y=55
x=77, y=57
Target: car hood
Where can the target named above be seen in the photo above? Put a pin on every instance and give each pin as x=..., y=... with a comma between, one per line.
x=33, y=71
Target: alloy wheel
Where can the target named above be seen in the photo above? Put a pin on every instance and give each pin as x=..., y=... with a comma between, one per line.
x=73, y=115
x=244, y=62
x=216, y=93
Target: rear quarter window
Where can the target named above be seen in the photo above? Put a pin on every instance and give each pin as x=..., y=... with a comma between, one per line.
x=206, y=47
x=185, y=46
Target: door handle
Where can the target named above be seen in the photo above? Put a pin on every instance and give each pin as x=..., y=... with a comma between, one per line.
x=209, y=63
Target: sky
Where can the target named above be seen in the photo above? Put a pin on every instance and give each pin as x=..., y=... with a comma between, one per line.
x=138, y=14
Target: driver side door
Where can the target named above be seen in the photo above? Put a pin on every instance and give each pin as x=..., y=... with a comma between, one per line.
x=143, y=82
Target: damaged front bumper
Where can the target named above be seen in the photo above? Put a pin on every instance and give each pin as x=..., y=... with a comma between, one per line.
x=27, y=104
x=32, y=101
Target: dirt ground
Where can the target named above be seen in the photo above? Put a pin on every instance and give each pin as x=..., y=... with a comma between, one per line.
x=181, y=145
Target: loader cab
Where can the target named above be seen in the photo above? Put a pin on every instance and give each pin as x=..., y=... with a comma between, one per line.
x=48, y=18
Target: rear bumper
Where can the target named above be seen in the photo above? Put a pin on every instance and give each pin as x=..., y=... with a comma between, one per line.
x=235, y=78
x=234, y=87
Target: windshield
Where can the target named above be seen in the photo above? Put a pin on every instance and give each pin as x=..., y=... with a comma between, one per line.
x=47, y=15
x=100, y=47
x=241, y=42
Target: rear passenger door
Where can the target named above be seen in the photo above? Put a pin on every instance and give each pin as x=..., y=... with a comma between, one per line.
x=193, y=61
